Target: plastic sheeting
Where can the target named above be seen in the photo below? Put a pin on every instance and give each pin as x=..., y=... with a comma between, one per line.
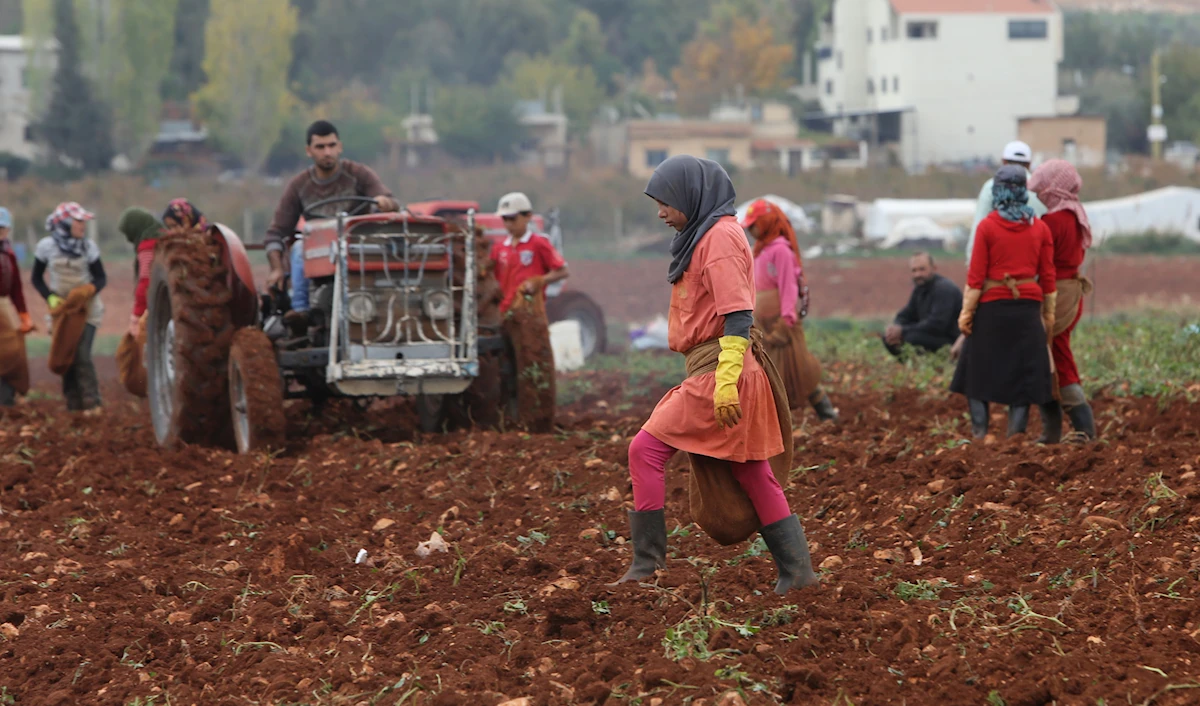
x=885, y=215
x=1174, y=209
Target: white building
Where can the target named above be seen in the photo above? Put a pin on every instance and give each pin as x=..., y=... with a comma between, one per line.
x=15, y=98
x=940, y=80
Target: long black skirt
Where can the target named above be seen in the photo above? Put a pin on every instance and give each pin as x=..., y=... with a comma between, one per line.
x=1005, y=359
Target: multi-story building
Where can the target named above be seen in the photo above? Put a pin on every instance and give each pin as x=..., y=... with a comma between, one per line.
x=939, y=81
x=16, y=110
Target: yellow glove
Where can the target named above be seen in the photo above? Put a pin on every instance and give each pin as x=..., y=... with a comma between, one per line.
x=966, y=319
x=726, y=406
x=54, y=301
x=1049, y=307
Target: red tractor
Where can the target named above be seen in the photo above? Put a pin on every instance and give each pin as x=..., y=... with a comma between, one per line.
x=562, y=303
x=395, y=310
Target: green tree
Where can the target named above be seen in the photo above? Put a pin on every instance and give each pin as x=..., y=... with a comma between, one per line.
x=658, y=29
x=186, y=73
x=132, y=66
x=476, y=124
x=77, y=127
x=248, y=48
x=585, y=47
x=1181, y=102
x=1125, y=108
x=538, y=78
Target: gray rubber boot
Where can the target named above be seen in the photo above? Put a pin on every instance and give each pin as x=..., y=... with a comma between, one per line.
x=979, y=418
x=1052, y=419
x=1082, y=420
x=822, y=405
x=789, y=547
x=1018, y=419
x=648, y=531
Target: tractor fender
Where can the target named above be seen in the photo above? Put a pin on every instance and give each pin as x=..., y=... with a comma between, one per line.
x=241, y=276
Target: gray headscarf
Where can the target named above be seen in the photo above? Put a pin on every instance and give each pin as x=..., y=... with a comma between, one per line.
x=702, y=191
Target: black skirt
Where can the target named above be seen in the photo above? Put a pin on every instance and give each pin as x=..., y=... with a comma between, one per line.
x=1005, y=359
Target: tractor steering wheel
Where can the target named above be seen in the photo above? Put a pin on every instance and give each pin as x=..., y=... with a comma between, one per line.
x=362, y=203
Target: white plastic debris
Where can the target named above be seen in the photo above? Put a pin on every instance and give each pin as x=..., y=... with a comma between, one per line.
x=435, y=543
x=362, y=556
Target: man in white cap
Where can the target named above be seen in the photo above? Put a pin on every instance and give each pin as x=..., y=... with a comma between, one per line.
x=525, y=261
x=1017, y=153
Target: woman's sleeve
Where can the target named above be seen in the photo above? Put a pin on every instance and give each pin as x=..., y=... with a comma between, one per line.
x=38, y=278
x=139, y=295
x=17, y=295
x=99, y=278
x=977, y=272
x=1046, y=273
x=789, y=284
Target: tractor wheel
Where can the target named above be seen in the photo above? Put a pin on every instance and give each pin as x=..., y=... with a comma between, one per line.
x=255, y=393
x=188, y=334
x=431, y=412
x=578, y=306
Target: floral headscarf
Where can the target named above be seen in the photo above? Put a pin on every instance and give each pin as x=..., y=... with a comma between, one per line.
x=773, y=224
x=59, y=225
x=1057, y=184
x=185, y=214
x=1009, y=195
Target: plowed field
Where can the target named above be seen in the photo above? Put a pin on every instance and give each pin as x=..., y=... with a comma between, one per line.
x=1003, y=572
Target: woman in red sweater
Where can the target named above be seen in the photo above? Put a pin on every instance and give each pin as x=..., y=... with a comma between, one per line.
x=1008, y=308
x=1057, y=185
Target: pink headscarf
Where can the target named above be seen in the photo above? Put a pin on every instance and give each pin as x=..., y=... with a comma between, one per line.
x=1057, y=185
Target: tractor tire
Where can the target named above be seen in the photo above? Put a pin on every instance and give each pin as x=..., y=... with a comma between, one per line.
x=189, y=332
x=580, y=307
x=431, y=412
x=255, y=393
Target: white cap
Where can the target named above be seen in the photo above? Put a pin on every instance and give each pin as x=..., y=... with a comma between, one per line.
x=513, y=204
x=1018, y=152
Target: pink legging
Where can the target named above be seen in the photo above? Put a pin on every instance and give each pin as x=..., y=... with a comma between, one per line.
x=648, y=458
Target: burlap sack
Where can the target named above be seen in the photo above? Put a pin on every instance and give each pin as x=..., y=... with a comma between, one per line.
x=131, y=367
x=718, y=503
x=68, y=322
x=528, y=329
x=1070, y=293
x=788, y=350
x=14, y=365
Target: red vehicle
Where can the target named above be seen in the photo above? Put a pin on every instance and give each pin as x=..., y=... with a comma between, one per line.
x=562, y=303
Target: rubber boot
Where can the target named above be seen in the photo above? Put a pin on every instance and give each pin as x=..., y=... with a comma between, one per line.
x=979, y=418
x=789, y=547
x=648, y=530
x=1018, y=419
x=1052, y=419
x=822, y=405
x=1082, y=419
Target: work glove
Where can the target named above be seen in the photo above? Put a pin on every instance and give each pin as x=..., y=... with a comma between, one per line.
x=533, y=285
x=27, y=323
x=726, y=406
x=1049, y=304
x=54, y=301
x=966, y=319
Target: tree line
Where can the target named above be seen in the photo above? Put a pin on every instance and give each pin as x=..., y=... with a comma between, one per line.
x=257, y=72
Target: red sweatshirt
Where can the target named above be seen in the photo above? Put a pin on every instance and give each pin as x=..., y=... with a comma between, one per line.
x=1020, y=250
x=10, y=280
x=145, y=258
x=1068, y=243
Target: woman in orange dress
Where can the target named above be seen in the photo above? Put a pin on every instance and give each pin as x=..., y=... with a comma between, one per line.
x=781, y=301
x=728, y=414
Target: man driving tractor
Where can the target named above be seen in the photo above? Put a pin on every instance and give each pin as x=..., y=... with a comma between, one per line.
x=524, y=263
x=329, y=177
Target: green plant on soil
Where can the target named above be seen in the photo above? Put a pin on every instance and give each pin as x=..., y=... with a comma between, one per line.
x=994, y=699
x=534, y=537
x=756, y=549
x=6, y=699
x=690, y=636
x=921, y=590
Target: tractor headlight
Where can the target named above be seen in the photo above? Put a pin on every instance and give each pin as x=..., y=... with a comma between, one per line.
x=360, y=308
x=438, y=305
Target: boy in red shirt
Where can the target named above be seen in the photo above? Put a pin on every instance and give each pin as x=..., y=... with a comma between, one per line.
x=525, y=262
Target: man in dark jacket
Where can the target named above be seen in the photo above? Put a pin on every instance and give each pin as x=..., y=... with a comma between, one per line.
x=930, y=320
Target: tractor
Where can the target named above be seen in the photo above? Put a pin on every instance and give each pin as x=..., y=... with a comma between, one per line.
x=401, y=304
x=562, y=302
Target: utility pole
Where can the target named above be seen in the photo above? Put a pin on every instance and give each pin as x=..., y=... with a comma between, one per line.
x=1157, y=132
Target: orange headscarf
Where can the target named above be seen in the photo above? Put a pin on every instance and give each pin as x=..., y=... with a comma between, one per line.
x=772, y=223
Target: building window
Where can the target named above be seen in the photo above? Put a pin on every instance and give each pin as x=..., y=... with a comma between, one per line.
x=829, y=88
x=29, y=136
x=720, y=156
x=25, y=77
x=871, y=86
x=895, y=84
x=1028, y=29
x=883, y=84
x=655, y=157
x=922, y=30
x=869, y=35
x=839, y=59
x=883, y=34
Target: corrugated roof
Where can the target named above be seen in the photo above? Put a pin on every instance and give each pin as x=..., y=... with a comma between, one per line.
x=1007, y=7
